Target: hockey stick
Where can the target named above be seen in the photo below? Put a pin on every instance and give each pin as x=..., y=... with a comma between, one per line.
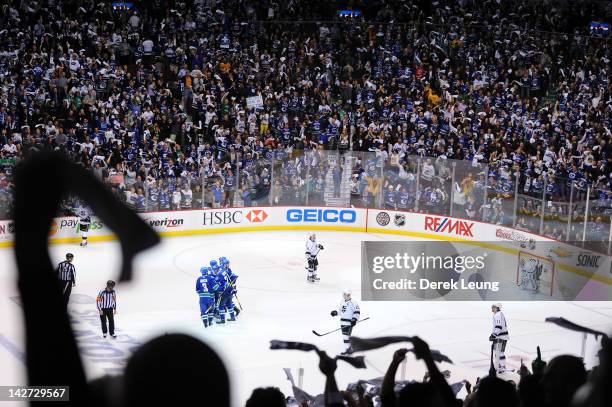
x=233, y=285
x=238, y=301
x=327, y=333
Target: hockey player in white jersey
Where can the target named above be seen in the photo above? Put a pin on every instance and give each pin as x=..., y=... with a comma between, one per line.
x=349, y=313
x=530, y=274
x=84, y=215
x=499, y=337
x=312, y=250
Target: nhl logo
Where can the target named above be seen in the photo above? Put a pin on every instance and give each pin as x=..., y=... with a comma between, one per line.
x=383, y=218
x=400, y=219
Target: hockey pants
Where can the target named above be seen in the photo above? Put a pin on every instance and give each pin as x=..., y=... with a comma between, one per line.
x=346, y=328
x=499, y=357
x=529, y=282
x=312, y=266
x=207, y=309
x=227, y=305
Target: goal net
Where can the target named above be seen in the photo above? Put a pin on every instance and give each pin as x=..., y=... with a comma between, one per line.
x=535, y=273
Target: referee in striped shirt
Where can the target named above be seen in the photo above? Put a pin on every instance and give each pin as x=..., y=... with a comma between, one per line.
x=66, y=274
x=107, y=307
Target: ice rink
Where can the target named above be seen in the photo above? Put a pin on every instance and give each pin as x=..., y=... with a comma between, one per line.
x=278, y=303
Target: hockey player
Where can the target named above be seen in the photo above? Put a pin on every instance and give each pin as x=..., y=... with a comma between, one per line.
x=84, y=215
x=221, y=286
x=349, y=313
x=530, y=275
x=226, y=305
x=499, y=337
x=231, y=279
x=205, y=287
x=312, y=250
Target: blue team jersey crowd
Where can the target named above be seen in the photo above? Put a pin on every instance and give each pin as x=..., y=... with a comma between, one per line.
x=182, y=104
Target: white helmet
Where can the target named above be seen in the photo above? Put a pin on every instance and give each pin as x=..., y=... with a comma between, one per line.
x=497, y=305
x=346, y=294
x=312, y=236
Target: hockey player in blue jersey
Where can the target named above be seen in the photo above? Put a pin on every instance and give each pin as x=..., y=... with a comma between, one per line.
x=231, y=278
x=205, y=287
x=226, y=291
x=221, y=286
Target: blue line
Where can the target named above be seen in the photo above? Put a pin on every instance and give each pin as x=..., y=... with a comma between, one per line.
x=12, y=348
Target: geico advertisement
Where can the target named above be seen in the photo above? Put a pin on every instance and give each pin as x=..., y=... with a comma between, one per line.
x=325, y=216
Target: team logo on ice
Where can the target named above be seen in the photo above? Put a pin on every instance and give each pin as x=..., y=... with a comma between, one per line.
x=399, y=219
x=383, y=218
x=256, y=216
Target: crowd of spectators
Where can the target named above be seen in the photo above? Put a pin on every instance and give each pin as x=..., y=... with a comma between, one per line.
x=156, y=100
x=162, y=102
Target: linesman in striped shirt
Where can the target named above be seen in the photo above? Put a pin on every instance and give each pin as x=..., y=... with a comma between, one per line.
x=66, y=273
x=106, y=301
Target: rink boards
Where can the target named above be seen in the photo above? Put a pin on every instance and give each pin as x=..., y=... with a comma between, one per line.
x=580, y=262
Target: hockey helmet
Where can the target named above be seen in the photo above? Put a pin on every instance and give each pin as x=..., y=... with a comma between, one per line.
x=223, y=261
x=346, y=294
x=214, y=264
x=204, y=270
x=312, y=236
x=496, y=305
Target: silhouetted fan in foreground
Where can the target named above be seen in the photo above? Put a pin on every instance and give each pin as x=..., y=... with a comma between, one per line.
x=161, y=371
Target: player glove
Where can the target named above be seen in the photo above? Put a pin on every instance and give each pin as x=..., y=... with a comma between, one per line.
x=492, y=337
x=353, y=322
x=320, y=247
x=334, y=313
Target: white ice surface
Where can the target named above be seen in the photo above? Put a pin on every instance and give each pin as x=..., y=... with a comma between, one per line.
x=279, y=304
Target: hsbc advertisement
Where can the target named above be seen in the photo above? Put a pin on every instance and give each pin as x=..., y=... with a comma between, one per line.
x=235, y=217
x=174, y=223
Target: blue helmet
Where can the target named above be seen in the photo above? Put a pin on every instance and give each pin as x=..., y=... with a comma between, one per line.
x=204, y=270
x=223, y=261
x=214, y=264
